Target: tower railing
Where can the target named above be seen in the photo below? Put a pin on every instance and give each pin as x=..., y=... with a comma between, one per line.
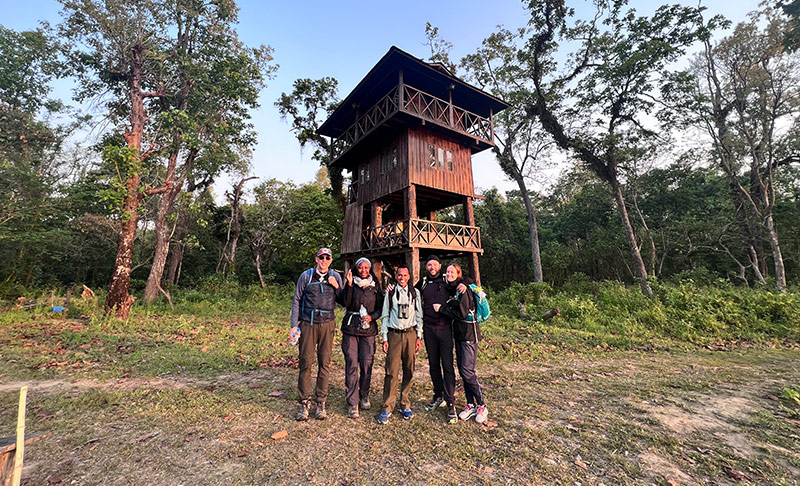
x=423, y=234
x=418, y=103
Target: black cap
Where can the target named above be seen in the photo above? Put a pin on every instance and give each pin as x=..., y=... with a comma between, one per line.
x=433, y=257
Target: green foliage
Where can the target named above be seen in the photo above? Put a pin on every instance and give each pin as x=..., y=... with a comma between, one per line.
x=122, y=163
x=684, y=313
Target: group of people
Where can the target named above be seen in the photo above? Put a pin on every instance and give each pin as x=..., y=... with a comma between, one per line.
x=436, y=310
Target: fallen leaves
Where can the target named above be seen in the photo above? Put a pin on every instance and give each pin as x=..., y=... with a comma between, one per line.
x=735, y=474
x=147, y=436
x=280, y=434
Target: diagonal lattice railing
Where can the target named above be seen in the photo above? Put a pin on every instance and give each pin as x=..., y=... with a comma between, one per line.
x=417, y=103
x=421, y=233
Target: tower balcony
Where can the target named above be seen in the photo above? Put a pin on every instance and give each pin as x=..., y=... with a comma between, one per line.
x=405, y=100
x=423, y=234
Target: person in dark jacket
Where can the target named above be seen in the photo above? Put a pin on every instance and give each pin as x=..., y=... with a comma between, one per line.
x=466, y=334
x=315, y=299
x=438, y=335
x=363, y=301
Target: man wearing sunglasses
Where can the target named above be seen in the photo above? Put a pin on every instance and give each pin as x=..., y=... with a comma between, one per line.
x=315, y=297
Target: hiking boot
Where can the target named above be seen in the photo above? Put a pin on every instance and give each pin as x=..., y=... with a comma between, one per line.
x=482, y=414
x=435, y=403
x=364, y=404
x=303, y=409
x=407, y=413
x=467, y=412
x=352, y=411
x=321, y=413
x=383, y=418
x=452, y=416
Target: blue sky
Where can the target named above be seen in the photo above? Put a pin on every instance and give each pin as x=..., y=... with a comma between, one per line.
x=344, y=39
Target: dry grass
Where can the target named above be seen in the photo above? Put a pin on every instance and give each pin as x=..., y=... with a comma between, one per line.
x=146, y=417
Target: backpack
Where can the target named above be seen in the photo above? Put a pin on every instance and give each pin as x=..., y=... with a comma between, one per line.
x=482, y=311
x=310, y=273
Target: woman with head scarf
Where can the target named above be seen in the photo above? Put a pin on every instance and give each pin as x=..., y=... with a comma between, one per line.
x=363, y=302
x=466, y=334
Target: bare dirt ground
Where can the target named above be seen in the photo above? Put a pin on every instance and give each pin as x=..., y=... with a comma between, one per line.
x=621, y=418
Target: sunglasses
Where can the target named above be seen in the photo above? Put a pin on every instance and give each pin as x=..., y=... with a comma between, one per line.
x=324, y=257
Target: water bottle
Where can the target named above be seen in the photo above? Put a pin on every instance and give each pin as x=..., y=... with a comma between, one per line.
x=363, y=312
x=294, y=336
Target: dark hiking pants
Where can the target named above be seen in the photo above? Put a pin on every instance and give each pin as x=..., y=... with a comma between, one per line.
x=359, y=354
x=439, y=346
x=467, y=355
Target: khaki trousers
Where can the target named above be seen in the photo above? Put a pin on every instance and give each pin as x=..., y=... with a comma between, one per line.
x=400, y=354
x=315, y=341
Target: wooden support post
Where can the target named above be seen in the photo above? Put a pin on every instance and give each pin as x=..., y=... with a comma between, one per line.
x=450, y=105
x=410, y=202
x=401, y=96
x=432, y=216
x=377, y=271
x=491, y=123
x=412, y=261
x=412, y=256
x=469, y=220
x=20, y=452
x=377, y=214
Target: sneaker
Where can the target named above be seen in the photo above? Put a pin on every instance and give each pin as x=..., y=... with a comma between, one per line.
x=467, y=412
x=352, y=411
x=321, y=413
x=302, y=412
x=407, y=413
x=383, y=418
x=435, y=403
x=482, y=414
x=364, y=404
x=452, y=416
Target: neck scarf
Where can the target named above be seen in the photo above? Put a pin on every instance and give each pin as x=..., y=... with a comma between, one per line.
x=364, y=282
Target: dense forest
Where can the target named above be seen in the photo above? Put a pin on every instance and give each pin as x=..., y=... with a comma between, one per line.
x=685, y=136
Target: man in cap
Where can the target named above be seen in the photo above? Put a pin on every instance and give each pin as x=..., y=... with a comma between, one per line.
x=312, y=312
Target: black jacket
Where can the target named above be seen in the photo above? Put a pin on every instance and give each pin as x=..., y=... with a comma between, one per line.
x=433, y=291
x=457, y=308
x=352, y=299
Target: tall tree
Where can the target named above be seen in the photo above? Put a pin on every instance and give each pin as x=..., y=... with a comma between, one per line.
x=308, y=106
x=596, y=108
x=748, y=93
x=207, y=117
x=521, y=145
x=30, y=216
x=140, y=55
x=120, y=48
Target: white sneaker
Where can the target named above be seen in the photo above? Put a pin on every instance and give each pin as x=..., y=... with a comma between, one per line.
x=467, y=412
x=482, y=414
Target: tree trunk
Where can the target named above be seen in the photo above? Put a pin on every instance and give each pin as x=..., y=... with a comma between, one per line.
x=227, y=261
x=151, y=289
x=533, y=228
x=165, y=205
x=649, y=234
x=777, y=256
x=257, y=263
x=118, y=299
x=638, y=263
x=176, y=253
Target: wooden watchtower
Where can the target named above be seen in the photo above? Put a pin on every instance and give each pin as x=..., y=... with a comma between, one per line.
x=406, y=134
